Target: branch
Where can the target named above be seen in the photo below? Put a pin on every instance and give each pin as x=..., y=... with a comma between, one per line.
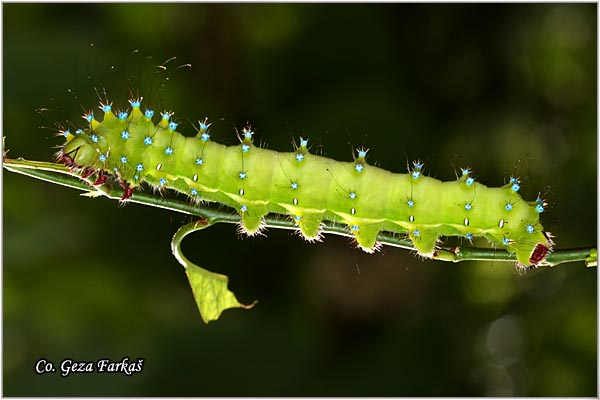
x=59, y=174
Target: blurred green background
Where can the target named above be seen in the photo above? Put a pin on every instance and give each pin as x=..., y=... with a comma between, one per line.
x=504, y=89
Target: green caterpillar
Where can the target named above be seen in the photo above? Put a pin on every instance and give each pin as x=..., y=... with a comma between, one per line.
x=308, y=188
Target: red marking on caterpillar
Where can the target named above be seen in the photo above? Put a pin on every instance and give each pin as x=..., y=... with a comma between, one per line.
x=538, y=254
x=87, y=172
x=101, y=180
x=128, y=191
x=67, y=161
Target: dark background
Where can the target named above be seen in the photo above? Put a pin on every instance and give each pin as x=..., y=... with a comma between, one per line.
x=504, y=89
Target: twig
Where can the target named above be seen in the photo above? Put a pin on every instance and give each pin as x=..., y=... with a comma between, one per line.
x=59, y=174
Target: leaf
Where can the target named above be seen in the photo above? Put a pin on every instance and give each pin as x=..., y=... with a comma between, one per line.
x=211, y=293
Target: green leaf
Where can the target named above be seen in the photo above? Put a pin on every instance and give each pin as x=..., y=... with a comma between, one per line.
x=211, y=293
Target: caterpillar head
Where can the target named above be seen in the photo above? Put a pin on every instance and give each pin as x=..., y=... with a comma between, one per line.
x=78, y=152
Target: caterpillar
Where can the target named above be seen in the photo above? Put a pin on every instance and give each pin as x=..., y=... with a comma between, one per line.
x=130, y=147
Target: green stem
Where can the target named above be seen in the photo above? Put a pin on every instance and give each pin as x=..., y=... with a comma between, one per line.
x=59, y=174
x=210, y=289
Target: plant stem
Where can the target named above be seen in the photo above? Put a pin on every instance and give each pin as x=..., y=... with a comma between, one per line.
x=59, y=174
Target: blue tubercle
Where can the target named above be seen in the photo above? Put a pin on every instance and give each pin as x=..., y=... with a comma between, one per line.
x=540, y=205
x=468, y=206
x=106, y=108
x=79, y=131
x=355, y=228
x=469, y=236
x=508, y=206
x=166, y=116
x=416, y=174
x=162, y=181
x=149, y=114
x=205, y=137
x=194, y=192
x=304, y=143
x=294, y=185
x=94, y=138
x=299, y=157
x=148, y=141
x=470, y=181
x=515, y=184
x=416, y=233
x=203, y=126
x=172, y=126
x=243, y=208
x=124, y=159
x=102, y=157
x=169, y=151
x=242, y=175
x=410, y=203
x=139, y=167
x=359, y=167
x=529, y=229
x=135, y=103
x=125, y=135
x=465, y=171
x=89, y=117
x=506, y=241
x=297, y=217
x=199, y=161
x=362, y=153
x=352, y=195
x=123, y=115
x=245, y=148
x=248, y=135
x=66, y=133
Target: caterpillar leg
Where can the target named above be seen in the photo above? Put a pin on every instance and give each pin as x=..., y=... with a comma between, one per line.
x=101, y=179
x=366, y=236
x=310, y=225
x=128, y=191
x=252, y=218
x=424, y=241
